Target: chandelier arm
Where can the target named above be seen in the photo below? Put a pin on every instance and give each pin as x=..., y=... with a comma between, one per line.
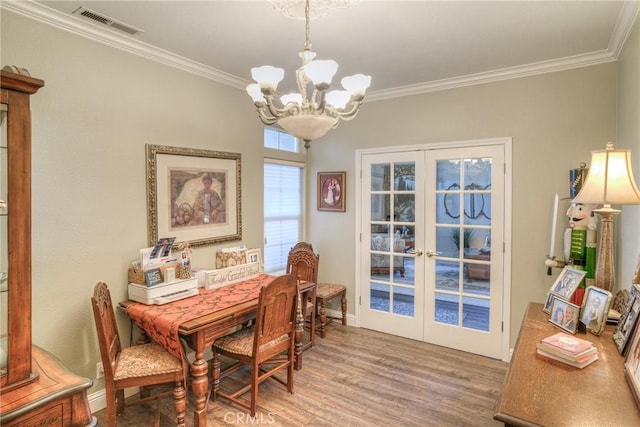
x=348, y=115
x=273, y=109
x=264, y=114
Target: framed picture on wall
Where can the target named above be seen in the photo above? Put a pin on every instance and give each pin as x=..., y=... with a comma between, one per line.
x=331, y=191
x=193, y=194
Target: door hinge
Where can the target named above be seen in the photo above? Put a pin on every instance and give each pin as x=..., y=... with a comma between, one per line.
x=501, y=326
x=360, y=300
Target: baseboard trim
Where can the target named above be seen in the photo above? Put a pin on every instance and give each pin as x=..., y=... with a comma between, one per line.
x=98, y=400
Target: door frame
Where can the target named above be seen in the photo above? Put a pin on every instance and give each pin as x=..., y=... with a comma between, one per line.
x=506, y=143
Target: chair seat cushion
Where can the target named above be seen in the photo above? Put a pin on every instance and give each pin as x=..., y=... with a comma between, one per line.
x=145, y=360
x=327, y=290
x=241, y=342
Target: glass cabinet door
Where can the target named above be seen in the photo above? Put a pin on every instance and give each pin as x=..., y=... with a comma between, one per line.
x=4, y=250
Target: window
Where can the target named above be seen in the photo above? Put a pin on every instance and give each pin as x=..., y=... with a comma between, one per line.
x=283, y=220
x=279, y=140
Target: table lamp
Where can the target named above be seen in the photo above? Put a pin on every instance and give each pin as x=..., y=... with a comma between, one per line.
x=609, y=181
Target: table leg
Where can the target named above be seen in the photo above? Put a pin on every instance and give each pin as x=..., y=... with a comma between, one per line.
x=199, y=383
x=298, y=336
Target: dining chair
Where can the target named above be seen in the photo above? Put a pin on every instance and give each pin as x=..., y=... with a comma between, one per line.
x=324, y=292
x=303, y=263
x=267, y=347
x=141, y=366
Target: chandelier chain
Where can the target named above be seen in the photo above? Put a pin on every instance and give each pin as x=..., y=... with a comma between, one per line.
x=307, y=43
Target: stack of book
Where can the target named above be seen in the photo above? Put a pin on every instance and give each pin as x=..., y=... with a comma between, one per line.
x=568, y=349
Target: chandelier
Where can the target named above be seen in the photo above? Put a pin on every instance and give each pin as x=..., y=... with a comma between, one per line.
x=313, y=111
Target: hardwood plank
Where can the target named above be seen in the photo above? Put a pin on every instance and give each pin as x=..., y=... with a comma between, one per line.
x=358, y=377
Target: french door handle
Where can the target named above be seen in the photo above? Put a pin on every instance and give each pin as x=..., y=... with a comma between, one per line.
x=431, y=253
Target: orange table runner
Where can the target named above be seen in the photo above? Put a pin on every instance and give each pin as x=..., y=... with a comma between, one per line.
x=161, y=322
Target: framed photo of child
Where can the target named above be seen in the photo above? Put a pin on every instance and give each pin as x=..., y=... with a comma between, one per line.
x=595, y=308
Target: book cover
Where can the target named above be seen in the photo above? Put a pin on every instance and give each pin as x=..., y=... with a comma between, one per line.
x=568, y=343
x=575, y=364
x=579, y=357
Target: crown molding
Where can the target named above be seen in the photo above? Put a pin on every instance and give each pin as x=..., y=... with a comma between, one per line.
x=110, y=37
x=107, y=36
x=543, y=67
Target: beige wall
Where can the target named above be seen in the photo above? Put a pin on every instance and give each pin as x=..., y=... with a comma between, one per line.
x=628, y=128
x=91, y=121
x=555, y=120
x=100, y=106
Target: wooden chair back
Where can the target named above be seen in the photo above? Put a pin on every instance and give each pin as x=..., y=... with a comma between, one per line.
x=107, y=329
x=303, y=263
x=276, y=318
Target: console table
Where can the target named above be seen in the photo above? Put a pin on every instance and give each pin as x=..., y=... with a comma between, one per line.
x=538, y=391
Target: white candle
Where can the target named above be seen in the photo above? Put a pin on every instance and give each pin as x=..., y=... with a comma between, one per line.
x=554, y=219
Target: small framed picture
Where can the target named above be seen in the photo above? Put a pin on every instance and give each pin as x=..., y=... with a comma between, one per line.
x=331, y=191
x=254, y=255
x=567, y=282
x=595, y=308
x=152, y=277
x=547, y=304
x=628, y=320
x=564, y=314
x=632, y=366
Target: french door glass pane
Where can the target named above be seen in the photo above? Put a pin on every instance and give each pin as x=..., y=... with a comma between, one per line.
x=463, y=241
x=392, y=216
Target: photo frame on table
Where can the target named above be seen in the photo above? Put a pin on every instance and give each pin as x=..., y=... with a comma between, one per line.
x=567, y=282
x=193, y=194
x=332, y=191
x=564, y=314
x=152, y=277
x=632, y=366
x=595, y=308
x=255, y=255
x=547, y=305
x=628, y=320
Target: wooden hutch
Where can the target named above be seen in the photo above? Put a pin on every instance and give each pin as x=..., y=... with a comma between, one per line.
x=35, y=389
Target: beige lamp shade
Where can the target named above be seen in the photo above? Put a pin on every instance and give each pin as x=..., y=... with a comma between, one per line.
x=610, y=179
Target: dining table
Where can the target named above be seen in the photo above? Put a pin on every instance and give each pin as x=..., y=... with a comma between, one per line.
x=199, y=320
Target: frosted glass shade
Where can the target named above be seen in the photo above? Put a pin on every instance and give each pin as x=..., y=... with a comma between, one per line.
x=321, y=71
x=356, y=84
x=267, y=76
x=338, y=98
x=294, y=98
x=255, y=93
x=610, y=179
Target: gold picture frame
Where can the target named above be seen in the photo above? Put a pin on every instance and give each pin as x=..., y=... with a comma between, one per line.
x=193, y=194
x=332, y=191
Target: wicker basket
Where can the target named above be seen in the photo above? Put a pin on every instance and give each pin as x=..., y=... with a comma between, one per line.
x=137, y=276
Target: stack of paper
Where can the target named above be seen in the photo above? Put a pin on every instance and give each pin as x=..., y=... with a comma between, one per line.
x=568, y=349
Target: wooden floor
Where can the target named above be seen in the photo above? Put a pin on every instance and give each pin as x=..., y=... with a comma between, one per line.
x=358, y=377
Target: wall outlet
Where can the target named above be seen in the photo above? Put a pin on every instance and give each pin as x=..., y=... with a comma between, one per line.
x=99, y=370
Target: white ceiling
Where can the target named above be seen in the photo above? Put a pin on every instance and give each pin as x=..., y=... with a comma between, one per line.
x=406, y=46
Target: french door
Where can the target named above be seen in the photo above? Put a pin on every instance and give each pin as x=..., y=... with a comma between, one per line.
x=432, y=260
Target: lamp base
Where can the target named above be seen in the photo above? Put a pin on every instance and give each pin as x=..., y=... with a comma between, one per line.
x=605, y=268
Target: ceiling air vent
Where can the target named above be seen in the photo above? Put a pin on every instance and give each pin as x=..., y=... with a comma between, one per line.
x=105, y=20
